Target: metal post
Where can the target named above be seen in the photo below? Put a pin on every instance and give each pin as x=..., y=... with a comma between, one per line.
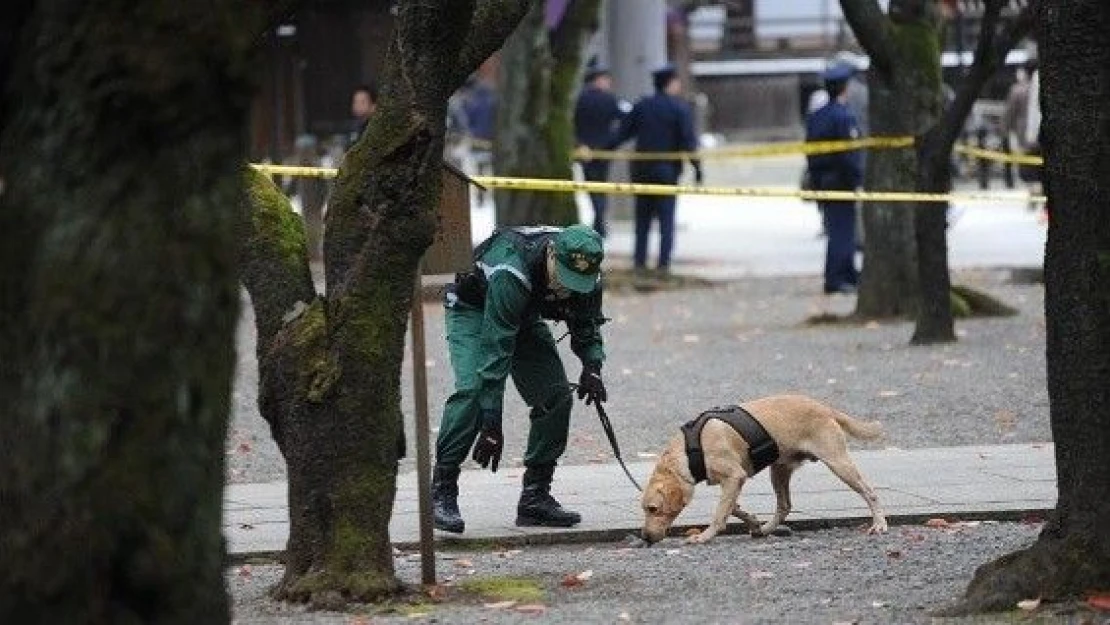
x=423, y=451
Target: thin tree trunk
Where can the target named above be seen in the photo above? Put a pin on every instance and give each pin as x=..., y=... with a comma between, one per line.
x=934, y=314
x=330, y=368
x=1072, y=553
x=539, y=77
x=120, y=158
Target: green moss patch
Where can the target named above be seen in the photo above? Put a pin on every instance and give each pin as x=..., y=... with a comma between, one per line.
x=520, y=589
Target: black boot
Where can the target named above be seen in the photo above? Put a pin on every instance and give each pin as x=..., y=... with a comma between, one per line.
x=445, y=500
x=537, y=506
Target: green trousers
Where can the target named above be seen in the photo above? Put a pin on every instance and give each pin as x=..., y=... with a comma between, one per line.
x=537, y=372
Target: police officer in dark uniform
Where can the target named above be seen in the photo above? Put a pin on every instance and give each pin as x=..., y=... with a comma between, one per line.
x=661, y=122
x=837, y=171
x=597, y=113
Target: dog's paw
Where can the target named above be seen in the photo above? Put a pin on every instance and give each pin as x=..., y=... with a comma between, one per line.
x=700, y=538
x=878, y=528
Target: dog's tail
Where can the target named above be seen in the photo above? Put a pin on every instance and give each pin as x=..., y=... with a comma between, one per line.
x=863, y=430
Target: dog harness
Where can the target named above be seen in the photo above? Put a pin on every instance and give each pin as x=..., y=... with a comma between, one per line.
x=761, y=446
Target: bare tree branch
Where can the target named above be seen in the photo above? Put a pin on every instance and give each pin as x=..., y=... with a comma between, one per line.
x=492, y=23
x=870, y=26
x=990, y=54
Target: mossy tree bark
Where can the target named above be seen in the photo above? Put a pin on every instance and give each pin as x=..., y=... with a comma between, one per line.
x=540, y=75
x=905, y=270
x=1072, y=554
x=123, y=133
x=330, y=366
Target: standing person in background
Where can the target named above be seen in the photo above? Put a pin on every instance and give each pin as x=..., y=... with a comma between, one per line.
x=364, y=101
x=597, y=112
x=1034, y=174
x=480, y=106
x=661, y=122
x=1014, y=117
x=838, y=171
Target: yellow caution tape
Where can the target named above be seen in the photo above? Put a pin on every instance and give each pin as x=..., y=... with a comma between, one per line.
x=632, y=188
x=635, y=188
x=751, y=151
x=1002, y=157
x=296, y=170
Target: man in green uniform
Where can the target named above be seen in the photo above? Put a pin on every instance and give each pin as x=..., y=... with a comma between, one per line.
x=495, y=328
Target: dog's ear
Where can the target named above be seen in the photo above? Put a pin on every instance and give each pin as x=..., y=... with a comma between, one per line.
x=674, y=496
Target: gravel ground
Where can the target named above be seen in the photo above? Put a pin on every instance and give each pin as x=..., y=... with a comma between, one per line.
x=831, y=576
x=673, y=354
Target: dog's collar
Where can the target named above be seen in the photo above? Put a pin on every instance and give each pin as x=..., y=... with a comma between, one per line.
x=761, y=446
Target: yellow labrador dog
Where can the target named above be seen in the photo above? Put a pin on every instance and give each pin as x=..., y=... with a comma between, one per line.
x=801, y=427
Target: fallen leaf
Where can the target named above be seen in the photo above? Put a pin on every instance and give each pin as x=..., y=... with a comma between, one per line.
x=500, y=605
x=937, y=523
x=1029, y=604
x=894, y=554
x=531, y=608
x=1099, y=602
x=244, y=448
x=244, y=571
x=358, y=620
x=761, y=575
x=1005, y=419
x=435, y=591
x=570, y=580
x=1033, y=518
x=464, y=564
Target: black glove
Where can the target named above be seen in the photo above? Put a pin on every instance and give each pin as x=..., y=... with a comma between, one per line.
x=590, y=386
x=698, y=179
x=490, y=441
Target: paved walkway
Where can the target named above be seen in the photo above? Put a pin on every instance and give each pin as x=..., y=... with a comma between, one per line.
x=1004, y=481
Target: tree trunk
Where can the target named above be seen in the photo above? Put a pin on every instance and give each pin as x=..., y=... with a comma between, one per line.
x=903, y=101
x=539, y=77
x=330, y=368
x=1072, y=554
x=934, y=314
x=120, y=158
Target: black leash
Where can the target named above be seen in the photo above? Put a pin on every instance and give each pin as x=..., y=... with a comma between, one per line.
x=608, y=427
